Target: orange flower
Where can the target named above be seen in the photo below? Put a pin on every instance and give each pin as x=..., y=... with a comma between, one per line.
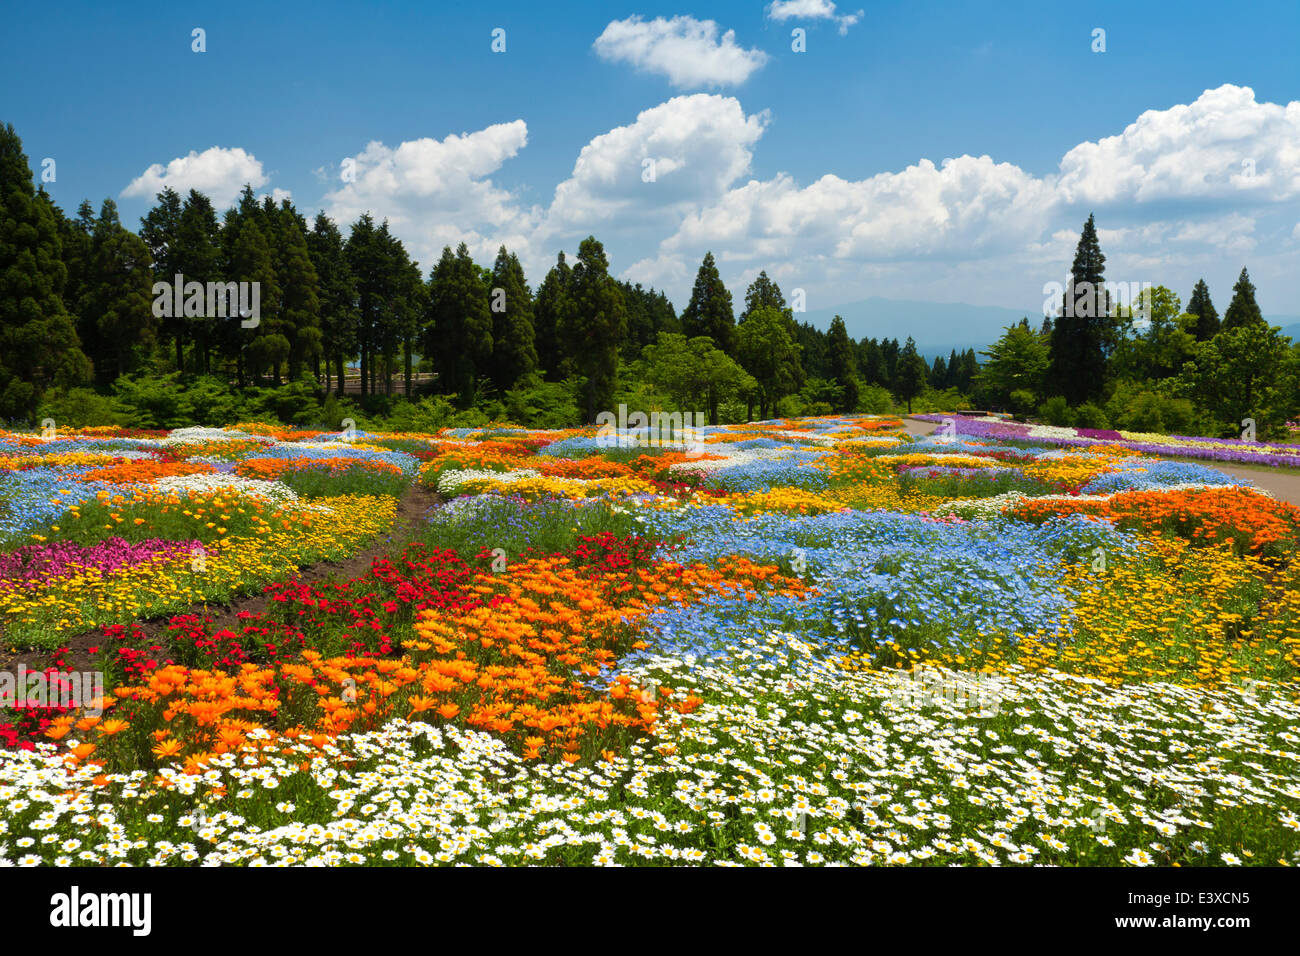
x=168, y=748
x=448, y=711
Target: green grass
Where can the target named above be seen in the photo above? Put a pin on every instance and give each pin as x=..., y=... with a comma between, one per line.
x=358, y=480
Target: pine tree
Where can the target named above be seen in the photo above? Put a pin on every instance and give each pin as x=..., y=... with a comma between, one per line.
x=709, y=311
x=911, y=375
x=1207, y=325
x=39, y=347
x=116, y=306
x=299, y=318
x=762, y=293
x=1242, y=310
x=337, y=293
x=596, y=326
x=160, y=229
x=460, y=322
x=262, y=346
x=514, y=354
x=939, y=373
x=198, y=255
x=843, y=363
x=551, y=310
x=1078, y=360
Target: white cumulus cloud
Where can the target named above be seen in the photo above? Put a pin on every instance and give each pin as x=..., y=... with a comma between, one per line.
x=675, y=156
x=219, y=172
x=812, y=10
x=435, y=192
x=687, y=51
x=1222, y=146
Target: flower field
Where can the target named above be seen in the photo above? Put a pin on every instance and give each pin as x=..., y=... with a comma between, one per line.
x=1239, y=450
x=804, y=642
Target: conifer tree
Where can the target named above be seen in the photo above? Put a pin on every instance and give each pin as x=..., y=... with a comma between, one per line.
x=843, y=363
x=460, y=322
x=551, y=310
x=1077, y=357
x=596, y=326
x=709, y=311
x=116, y=305
x=1207, y=324
x=514, y=354
x=337, y=293
x=1242, y=310
x=39, y=347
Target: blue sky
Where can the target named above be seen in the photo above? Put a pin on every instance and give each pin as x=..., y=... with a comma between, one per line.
x=824, y=167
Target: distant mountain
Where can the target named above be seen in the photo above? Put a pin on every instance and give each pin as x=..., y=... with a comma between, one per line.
x=938, y=327
x=1290, y=324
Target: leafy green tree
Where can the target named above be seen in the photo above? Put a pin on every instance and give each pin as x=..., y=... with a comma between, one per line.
x=709, y=312
x=694, y=373
x=1242, y=310
x=595, y=327
x=770, y=355
x=1156, y=345
x=39, y=347
x=1245, y=372
x=1207, y=318
x=514, y=354
x=1079, y=335
x=913, y=373
x=1017, y=362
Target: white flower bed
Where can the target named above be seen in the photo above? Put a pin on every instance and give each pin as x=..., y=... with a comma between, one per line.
x=450, y=481
x=226, y=484
x=1052, y=431
x=185, y=436
x=734, y=456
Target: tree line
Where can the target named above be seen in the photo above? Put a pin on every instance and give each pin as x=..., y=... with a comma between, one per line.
x=79, y=310
x=1149, y=364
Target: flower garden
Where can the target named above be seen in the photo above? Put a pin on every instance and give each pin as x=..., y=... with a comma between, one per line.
x=805, y=642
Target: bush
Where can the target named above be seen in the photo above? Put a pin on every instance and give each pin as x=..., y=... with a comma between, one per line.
x=1137, y=409
x=875, y=400
x=1056, y=411
x=81, y=408
x=1021, y=402
x=1089, y=415
x=539, y=404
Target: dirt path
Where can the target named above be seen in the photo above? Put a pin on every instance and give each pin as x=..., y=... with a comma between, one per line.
x=1280, y=484
x=412, y=506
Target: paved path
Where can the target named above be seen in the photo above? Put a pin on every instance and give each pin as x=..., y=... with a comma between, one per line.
x=1280, y=484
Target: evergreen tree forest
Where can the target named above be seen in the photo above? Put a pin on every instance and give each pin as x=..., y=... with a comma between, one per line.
x=348, y=325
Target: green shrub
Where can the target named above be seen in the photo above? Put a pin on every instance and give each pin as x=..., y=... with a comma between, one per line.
x=81, y=408
x=1021, y=402
x=875, y=400
x=1056, y=411
x=1089, y=415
